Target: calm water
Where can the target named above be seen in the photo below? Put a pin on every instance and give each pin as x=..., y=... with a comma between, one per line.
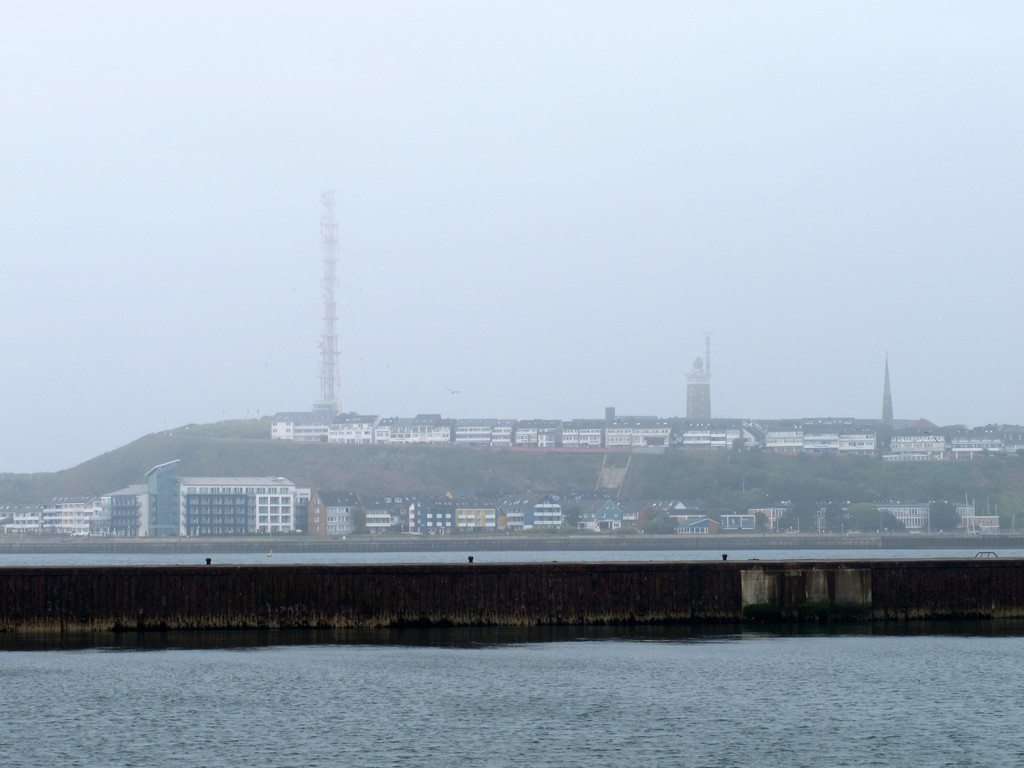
x=936, y=695
x=498, y=698
x=222, y=558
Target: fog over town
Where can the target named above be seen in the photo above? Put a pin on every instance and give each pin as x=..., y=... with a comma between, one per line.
x=541, y=208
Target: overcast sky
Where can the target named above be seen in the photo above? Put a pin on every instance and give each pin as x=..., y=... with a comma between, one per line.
x=541, y=205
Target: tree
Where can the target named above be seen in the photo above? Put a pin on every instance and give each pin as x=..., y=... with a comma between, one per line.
x=835, y=518
x=571, y=516
x=359, y=520
x=864, y=517
x=943, y=516
x=760, y=522
x=891, y=523
x=660, y=524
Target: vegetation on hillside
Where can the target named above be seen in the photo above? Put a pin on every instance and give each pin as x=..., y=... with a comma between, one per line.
x=717, y=481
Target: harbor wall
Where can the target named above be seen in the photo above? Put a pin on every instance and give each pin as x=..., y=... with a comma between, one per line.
x=142, y=598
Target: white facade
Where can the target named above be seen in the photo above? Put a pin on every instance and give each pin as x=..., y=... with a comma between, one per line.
x=421, y=429
x=785, y=441
x=618, y=437
x=73, y=517
x=547, y=514
x=473, y=431
x=24, y=521
x=501, y=433
x=271, y=502
x=928, y=446
x=352, y=430
x=858, y=443
x=969, y=447
x=914, y=516
x=310, y=427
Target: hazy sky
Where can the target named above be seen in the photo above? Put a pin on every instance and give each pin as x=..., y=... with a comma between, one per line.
x=542, y=205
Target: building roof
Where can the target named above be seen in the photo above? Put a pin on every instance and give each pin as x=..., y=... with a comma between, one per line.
x=234, y=481
x=338, y=499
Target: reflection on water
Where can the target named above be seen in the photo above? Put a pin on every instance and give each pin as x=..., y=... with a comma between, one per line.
x=479, y=637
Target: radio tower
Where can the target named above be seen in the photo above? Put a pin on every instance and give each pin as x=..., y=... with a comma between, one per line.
x=330, y=374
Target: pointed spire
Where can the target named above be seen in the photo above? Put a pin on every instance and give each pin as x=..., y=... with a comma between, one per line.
x=887, y=397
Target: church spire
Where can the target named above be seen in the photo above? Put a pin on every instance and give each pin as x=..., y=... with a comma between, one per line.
x=887, y=398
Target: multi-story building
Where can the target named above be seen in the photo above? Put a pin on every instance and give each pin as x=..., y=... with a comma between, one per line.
x=536, y=433
x=826, y=441
x=352, y=429
x=129, y=511
x=974, y=446
x=522, y=513
x=474, y=431
x=738, y=522
x=476, y=517
x=432, y=514
x=784, y=440
x=917, y=445
x=75, y=516
x=858, y=442
x=501, y=433
x=600, y=515
x=201, y=506
x=236, y=505
x=25, y=520
x=772, y=514
x=583, y=433
x=547, y=513
x=334, y=513
x=717, y=435
x=386, y=512
x=427, y=428
x=302, y=426
x=914, y=516
x=645, y=431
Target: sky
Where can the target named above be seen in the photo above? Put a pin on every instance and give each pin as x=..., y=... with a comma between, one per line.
x=541, y=205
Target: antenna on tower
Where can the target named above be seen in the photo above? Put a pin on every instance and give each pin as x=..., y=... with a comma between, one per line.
x=707, y=352
x=330, y=373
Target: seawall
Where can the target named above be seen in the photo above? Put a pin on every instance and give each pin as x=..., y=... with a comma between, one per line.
x=140, y=598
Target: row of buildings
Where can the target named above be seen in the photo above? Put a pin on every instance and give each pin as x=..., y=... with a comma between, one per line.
x=172, y=505
x=906, y=441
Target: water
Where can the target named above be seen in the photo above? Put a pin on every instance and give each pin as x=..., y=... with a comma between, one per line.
x=935, y=694
x=513, y=556
x=654, y=697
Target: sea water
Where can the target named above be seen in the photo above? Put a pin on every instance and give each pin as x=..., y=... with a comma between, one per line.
x=544, y=697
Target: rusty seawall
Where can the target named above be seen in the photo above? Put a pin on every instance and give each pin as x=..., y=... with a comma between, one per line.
x=140, y=598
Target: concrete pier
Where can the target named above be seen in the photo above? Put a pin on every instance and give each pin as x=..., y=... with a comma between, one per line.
x=141, y=598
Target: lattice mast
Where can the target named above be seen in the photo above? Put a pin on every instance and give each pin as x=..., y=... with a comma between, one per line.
x=330, y=372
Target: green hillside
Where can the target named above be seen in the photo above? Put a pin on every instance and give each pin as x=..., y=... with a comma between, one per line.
x=715, y=480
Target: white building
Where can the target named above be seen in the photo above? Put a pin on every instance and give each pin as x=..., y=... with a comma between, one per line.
x=236, y=505
x=858, y=443
x=352, y=429
x=922, y=445
x=784, y=440
x=74, y=516
x=424, y=428
x=914, y=516
x=302, y=427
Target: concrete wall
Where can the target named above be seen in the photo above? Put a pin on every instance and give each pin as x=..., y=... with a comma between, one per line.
x=318, y=596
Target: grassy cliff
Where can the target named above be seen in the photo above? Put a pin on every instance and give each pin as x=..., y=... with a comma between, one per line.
x=716, y=480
